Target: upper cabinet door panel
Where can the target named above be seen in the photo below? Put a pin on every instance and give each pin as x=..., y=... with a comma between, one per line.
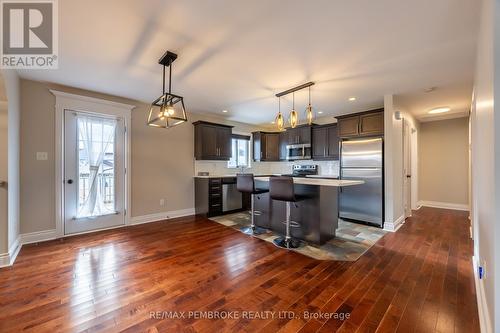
x=283, y=142
x=305, y=134
x=209, y=141
x=348, y=126
x=371, y=124
x=320, y=142
x=224, y=142
x=333, y=143
x=272, y=147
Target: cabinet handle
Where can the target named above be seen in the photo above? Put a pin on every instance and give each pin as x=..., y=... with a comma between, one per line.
x=324, y=151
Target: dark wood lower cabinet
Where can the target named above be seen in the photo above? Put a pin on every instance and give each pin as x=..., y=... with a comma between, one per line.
x=208, y=196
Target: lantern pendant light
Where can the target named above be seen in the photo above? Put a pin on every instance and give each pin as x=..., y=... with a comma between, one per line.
x=280, y=122
x=293, y=115
x=309, y=110
x=167, y=110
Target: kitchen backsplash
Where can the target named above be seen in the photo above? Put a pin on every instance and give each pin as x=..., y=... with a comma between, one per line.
x=330, y=168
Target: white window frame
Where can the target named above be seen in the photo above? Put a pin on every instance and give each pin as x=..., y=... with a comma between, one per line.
x=67, y=101
x=249, y=154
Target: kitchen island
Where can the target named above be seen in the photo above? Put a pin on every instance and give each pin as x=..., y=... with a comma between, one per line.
x=317, y=214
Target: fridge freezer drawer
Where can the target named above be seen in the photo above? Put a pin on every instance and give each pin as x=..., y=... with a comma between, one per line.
x=362, y=202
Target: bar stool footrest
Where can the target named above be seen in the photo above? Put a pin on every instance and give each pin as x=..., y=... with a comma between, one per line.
x=253, y=231
x=285, y=243
x=293, y=224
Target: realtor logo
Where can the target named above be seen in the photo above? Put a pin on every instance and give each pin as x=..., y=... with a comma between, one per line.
x=29, y=34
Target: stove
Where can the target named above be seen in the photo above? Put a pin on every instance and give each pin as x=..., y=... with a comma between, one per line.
x=303, y=170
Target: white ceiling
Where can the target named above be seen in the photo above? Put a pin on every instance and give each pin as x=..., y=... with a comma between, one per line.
x=236, y=55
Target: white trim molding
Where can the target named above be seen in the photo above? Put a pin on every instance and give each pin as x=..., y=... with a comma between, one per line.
x=394, y=226
x=7, y=259
x=482, y=306
x=162, y=216
x=67, y=101
x=444, y=205
x=38, y=236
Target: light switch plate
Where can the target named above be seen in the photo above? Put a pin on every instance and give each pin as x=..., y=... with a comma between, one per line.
x=41, y=155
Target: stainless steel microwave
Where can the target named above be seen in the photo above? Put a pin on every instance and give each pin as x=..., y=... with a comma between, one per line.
x=298, y=152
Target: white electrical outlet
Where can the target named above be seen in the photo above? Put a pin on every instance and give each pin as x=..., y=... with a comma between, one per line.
x=42, y=155
x=162, y=202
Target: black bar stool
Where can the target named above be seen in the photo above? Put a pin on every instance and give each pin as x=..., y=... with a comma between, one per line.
x=281, y=189
x=245, y=183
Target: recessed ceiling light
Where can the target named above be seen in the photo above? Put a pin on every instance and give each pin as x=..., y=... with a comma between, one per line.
x=352, y=99
x=224, y=111
x=439, y=110
x=320, y=112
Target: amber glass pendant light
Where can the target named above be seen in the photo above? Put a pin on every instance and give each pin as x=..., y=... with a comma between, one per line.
x=280, y=121
x=309, y=110
x=294, y=117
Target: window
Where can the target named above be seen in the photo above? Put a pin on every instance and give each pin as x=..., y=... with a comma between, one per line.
x=240, y=152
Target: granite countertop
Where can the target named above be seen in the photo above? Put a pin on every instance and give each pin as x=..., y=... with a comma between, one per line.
x=319, y=181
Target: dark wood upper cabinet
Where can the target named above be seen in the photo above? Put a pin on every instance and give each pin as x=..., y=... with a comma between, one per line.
x=283, y=142
x=325, y=142
x=368, y=123
x=348, y=126
x=266, y=146
x=298, y=135
x=212, y=141
x=319, y=142
x=371, y=124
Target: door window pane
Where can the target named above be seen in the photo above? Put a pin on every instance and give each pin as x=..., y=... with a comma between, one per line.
x=96, y=166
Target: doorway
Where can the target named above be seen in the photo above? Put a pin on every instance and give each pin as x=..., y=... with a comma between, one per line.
x=94, y=171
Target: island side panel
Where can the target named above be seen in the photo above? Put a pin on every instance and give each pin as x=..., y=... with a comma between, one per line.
x=317, y=214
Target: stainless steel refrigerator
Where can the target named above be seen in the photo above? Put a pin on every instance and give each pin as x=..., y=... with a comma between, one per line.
x=362, y=159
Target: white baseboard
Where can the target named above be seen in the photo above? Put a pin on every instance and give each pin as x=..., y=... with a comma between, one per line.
x=394, y=226
x=444, y=205
x=482, y=305
x=7, y=259
x=161, y=216
x=38, y=236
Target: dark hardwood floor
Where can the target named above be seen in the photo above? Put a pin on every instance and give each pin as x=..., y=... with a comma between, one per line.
x=132, y=279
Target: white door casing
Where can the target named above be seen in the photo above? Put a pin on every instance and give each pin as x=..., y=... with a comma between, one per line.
x=88, y=105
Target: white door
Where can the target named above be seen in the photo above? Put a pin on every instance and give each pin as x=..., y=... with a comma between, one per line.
x=94, y=171
x=407, y=168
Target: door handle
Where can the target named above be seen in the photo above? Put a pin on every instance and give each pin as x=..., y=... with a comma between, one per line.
x=70, y=181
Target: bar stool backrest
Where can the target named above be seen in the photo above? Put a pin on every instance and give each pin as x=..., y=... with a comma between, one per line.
x=245, y=182
x=281, y=188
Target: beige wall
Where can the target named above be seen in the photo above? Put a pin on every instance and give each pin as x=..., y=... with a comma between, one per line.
x=3, y=169
x=162, y=160
x=444, y=161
